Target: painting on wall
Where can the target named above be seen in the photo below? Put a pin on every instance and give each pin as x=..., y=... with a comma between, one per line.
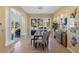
x=34, y=22
x=63, y=24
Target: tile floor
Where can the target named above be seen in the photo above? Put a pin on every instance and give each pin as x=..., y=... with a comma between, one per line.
x=24, y=46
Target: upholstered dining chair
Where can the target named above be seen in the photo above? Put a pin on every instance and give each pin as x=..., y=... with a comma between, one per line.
x=42, y=42
x=48, y=39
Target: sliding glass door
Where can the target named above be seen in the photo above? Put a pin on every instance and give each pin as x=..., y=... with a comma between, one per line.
x=13, y=26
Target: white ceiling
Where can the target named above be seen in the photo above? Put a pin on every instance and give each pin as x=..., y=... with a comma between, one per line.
x=40, y=9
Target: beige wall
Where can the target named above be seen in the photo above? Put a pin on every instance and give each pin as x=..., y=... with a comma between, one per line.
x=2, y=29
x=66, y=11
x=3, y=48
x=40, y=15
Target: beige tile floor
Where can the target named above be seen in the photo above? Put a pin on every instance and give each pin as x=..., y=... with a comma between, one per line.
x=24, y=46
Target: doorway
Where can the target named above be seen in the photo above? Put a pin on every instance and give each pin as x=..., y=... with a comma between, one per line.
x=12, y=26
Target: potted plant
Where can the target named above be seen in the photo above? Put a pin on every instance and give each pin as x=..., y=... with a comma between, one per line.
x=55, y=25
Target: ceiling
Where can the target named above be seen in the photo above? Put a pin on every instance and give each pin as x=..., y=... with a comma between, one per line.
x=40, y=9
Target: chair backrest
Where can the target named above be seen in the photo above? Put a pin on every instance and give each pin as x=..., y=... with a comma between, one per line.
x=33, y=32
x=48, y=35
x=45, y=35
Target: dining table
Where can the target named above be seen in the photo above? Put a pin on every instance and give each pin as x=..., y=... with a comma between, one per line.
x=36, y=36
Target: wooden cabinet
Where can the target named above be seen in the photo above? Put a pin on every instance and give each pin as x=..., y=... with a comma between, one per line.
x=64, y=39
x=61, y=38
x=58, y=36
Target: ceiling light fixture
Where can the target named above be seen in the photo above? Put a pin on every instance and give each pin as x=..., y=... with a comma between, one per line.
x=40, y=7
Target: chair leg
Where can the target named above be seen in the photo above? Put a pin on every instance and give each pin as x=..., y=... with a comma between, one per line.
x=35, y=45
x=43, y=46
x=39, y=45
x=46, y=44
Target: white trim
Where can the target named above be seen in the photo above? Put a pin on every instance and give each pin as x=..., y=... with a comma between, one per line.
x=7, y=37
x=71, y=50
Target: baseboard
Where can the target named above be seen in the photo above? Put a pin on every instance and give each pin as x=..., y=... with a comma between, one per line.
x=70, y=50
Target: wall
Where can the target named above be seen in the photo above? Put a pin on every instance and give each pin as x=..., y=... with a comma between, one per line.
x=40, y=15
x=4, y=48
x=66, y=11
x=2, y=29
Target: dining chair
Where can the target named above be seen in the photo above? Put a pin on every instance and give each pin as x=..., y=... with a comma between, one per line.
x=32, y=35
x=48, y=33
x=42, y=41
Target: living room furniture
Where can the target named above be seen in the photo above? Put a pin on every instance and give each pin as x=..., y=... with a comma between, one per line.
x=58, y=36
x=61, y=38
x=64, y=39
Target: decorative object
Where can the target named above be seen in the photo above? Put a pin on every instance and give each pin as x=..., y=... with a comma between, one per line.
x=63, y=24
x=73, y=15
x=54, y=25
x=74, y=29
